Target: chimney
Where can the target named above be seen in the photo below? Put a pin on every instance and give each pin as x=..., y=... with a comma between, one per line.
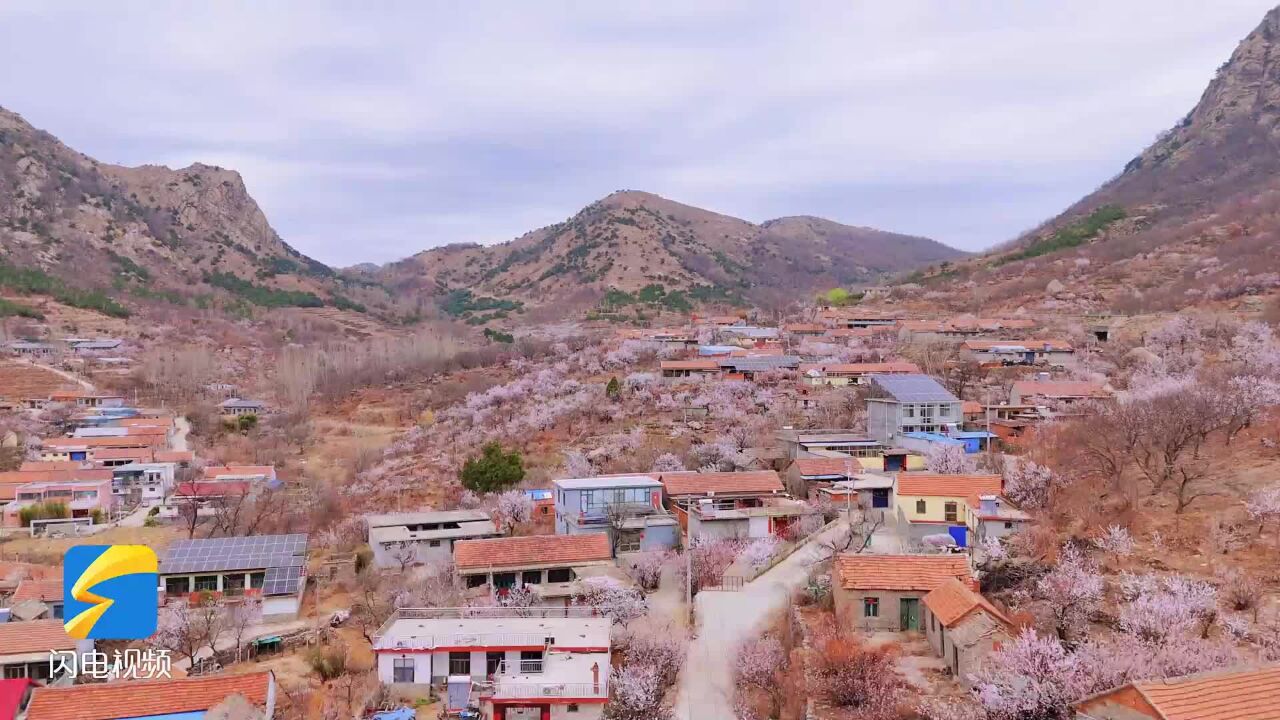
x=988, y=505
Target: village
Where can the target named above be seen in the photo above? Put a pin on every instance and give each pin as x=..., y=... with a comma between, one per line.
x=845, y=513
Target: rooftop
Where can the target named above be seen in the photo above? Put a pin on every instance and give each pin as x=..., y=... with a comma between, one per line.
x=533, y=550
x=405, y=631
x=1060, y=389
x=913, y=388
x=608, y=481
x=922, y=573
x=283, y=557
x=147, y=698
x=828, y=467
x=953, y=600
x=36, y=636
x=427, y=517
x=940, y=485
x=1242, y=694
x=721, y=483
x=42, y=590
x=401, y=533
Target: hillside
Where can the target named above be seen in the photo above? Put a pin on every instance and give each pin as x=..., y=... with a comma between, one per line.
x=630, y=240
x=109, y=238
x=1192, y=218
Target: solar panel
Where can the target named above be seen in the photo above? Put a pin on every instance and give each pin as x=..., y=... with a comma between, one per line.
x=913, y=388
x=258, y=552
x=282, y=581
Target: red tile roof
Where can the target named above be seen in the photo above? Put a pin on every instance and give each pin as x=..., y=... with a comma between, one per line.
x=762, y=482
x=136, y=441
x=690, y=365
x=810, y=467
x=40, y=465
x=893, y=366
x=1252, y=694
x=518, y=552
x=221, y=488
x=938, y=485
x=141, y=454
x=12, y=693
x=954, y=600
x=22, y=477
x=170, y=456
x=1037, y=344
x=36, y=636
x=133, y=699
x=921, y=573
x=218, y=471
x=42, y=590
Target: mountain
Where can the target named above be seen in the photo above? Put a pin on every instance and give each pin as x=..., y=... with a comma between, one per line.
x=631, y=240
x=1191, y=219
x=110, y=238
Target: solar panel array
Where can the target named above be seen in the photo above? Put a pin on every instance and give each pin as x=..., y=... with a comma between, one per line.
x=282, y=581
x=235, y=553
x=914, y=388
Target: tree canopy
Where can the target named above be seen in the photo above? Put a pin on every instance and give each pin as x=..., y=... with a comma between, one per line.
x=493, y=470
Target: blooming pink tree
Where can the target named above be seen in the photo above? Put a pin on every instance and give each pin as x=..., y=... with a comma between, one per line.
x=1116, y=540
x=1031, y=678
x=1072, y=591
x=1264, y=507
x=667, y=462
x=948, y=458
x=1171, y=606
x=611, y=598
x=760, y=551
x=510, y=508
x=646, y=568
x=758, y=665
x=576, y=465
x=1028, y=484
x=635, y=693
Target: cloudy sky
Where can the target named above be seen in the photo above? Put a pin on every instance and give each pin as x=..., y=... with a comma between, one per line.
x=369, y=135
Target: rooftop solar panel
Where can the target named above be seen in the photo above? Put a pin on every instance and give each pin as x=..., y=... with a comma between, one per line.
x=913, y=388
x=235, y=553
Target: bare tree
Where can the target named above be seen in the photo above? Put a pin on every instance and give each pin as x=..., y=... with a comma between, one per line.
x=241, y=615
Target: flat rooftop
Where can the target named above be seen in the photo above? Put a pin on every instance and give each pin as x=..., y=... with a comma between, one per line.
x=609, y=481
x=425, y=517
x=401, y=533
x=403, y=631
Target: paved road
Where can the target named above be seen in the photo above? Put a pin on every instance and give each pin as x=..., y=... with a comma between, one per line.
x=182, y=429
x=725, y=619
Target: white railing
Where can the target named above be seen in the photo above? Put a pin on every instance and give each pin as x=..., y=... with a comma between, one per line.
x=430, y=642
x=509, y=690
x=521, y=667
x=483, y=613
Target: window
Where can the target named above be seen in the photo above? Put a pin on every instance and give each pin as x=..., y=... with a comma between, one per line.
x=921, y=507
x=573, y=707
x=459, y=663
x=475, y=581
x=944, y=412
x=909, y=411
x=233, y=584
x=206, y=582
x=15, y=672
x=531, y=577
x=950, y=512
x=177, y=585
x=402, y=670
x=492, y=661
x=530, y=661
x=257, y=580
x=504, y=580
x=434, y=543
x=560, y=575
x=871, y=607
x=1008, y=525
x=629, y=541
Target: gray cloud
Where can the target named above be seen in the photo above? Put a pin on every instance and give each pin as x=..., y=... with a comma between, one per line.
x=368, y=135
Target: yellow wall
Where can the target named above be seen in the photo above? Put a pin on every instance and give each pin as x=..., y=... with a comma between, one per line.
x=876, y=462
x=935, y=508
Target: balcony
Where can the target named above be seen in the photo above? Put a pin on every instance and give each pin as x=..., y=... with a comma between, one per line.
x=600, y=514
x=500, y=690
x=521, y=667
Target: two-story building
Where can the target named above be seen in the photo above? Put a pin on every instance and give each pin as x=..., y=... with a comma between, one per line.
x=511, y=663
x=1020, y=352
x=899, y=404
x=885, y=592
x=80, y=499
x=25, y=648
x=626, y=507
x=549, y=564
x=146, y=484
x=731, y=504
x=417, y=538
x=934, y=504
x=993, y=516
x=841, y=374
x=1056, y=392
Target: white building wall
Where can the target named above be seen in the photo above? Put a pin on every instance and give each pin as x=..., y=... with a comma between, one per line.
x=757, y=527
x=586, y=711
x=281, y=607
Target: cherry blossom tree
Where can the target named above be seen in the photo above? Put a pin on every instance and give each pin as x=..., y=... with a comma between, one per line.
x=948, y=458
x=1030, y=678
x=1178, y=343
x=760, y=551
x=1072, y=590
x=646, y=568
x=1264, y=507
x=611, y=598
x=667, y=462
x=758, y=665
x=1116, y=540
x=1174, y=605
x=851, y=675
x=635, y=693
x=576, y=465
x=510, y=508
x=1028, y=484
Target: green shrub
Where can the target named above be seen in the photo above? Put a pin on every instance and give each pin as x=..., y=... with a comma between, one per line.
x=499, y=336
x=1073, y=235
x=29, y=281
x=263, y=296
x=328, y=661
x=8, y=308
x=462, y=302
x=493, y=470
x=43, y=511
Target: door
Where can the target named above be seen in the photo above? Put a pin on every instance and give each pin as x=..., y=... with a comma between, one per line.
x=960, y=534
x=880, y=498
x=909, y=611
x=78, y=455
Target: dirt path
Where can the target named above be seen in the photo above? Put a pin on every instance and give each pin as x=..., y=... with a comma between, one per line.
x=725, y=619
x=70, y=377
x=179, y=441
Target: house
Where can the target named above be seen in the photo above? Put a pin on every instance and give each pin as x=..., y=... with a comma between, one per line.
x=15, y=694
x=274, y=566
x=513, y=663
x=254, y=474
x=839, y=477
x=411, y=538
x=885, y=592
x=841, y=374
x=31, y=349
x=1238, y=694
x=550, y=562
x=42, y=597
x=628, y=508
x=14, y=573
x=1005, y=353
x=146, y=484
x=234, y=407
x=963, y=627
x=81, y=449
x=803, y=329
x=933, y=504
x=83, y=398
x=731, y=504
x=993, y=516
x=803, y=443
x=690, y=369
x=12, y=480
x=89, y=347
x=1056, y=392
x=82, y=499
x=900, y=404
x=189, y=698
x=746, y=368
x=544, y=504
x=221, y=485
x=25, y=648
x=849, y=319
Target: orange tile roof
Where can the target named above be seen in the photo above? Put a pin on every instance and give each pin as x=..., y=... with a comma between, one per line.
x=217, y=471
x=922, y=573
x=12, y=571
x=1060, y=388
x=173, y=456
x=696, y=483
x=134, y=453
x=36, y=636
x=893, y=366
x=21, y=477
x=938, y=485
x=531, y=550
x=38, y=465
x=97, y=442
x=1037, y=344
x=74, y=394
x=803, y=327
x=690, y=365
x=1252, y=694
x=953, y=600
x=42, y=590
x=143, y=698
x=827, y=466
